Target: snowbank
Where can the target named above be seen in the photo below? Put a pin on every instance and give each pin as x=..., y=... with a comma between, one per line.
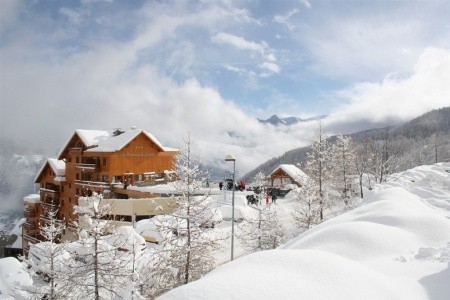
x=12, y=275
x=395, y=246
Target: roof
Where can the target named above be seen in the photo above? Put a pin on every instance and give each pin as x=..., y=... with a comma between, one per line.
x=105, y=141
x=292, y=171
x=58, y=167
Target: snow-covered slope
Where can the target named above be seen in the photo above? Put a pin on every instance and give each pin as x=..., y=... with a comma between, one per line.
x=395, y=246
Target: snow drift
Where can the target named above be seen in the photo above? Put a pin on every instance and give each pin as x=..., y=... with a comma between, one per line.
x=395, y=246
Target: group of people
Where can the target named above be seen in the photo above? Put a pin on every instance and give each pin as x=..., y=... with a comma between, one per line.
x=230, y=186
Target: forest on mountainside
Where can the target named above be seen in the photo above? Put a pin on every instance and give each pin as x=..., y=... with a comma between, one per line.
x=415, y=143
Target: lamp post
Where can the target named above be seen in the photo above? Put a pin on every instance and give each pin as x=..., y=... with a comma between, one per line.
x=230, y=157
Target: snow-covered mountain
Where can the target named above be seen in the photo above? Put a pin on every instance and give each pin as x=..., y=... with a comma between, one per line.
x=394, y=246
x=287, y=121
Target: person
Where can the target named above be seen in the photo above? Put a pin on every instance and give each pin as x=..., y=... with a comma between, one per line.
x=241, y=186
x=267, y=199
x=220, y=185
x=274, y=197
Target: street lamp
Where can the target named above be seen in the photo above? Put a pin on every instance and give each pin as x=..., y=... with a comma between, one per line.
x=230, y=157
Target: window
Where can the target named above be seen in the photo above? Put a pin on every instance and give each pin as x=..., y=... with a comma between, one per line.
x=70, y=200
x=62, y=189
x=69, y=159
x=77, y=159
x=104, y=161
x=77, y=176
x=70, y=185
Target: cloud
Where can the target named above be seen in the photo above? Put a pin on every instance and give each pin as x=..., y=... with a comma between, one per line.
x=9, y=12
x=398, y=98
x=306, y=3
x=285, y=19
x=268, y=65
x=238, y=42
x=74, y=16
x=366, y=42
x=55, y=89
x=272, y=67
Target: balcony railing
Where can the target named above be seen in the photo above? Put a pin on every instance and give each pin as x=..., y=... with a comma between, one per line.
x=47, y=221
x=30, y=225
x=31, y=239
x=50, y=206
x=29, y=214
x=87, y=167
x=93, y=184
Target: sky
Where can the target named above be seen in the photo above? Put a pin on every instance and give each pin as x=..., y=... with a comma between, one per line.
x=212, y=68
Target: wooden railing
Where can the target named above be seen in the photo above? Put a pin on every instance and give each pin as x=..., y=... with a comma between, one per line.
x=31, y=239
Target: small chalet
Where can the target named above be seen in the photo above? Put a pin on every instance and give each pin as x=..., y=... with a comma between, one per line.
x=286, y=177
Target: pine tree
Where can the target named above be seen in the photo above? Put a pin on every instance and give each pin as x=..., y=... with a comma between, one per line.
x=317, y=164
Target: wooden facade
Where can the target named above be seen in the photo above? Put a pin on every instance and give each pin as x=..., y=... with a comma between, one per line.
x=90, y=164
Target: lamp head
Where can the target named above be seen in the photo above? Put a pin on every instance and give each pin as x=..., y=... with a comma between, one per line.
x=230, y=157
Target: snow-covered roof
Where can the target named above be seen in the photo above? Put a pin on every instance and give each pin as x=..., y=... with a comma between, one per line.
x=32, y=198
x=295, y=173
x=58, y=167
x=105, y=141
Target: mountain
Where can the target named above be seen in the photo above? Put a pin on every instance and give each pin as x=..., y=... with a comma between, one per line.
x=415, y=141
x=277, y=121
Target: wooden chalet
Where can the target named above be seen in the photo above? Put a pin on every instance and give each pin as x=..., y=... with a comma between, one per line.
x=286, y=176
x=95, y=161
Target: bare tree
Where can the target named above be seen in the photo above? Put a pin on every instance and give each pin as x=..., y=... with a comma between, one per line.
x=317, y=164
x=343, y=166
x=306, y=211
x=187, y=247
x=261, y=229
x=42, y=258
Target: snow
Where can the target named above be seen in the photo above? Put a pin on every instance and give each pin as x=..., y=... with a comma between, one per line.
x=12, y=275
x=32, y=198
x=58, y=166
x=396, y=245
x=92, y=137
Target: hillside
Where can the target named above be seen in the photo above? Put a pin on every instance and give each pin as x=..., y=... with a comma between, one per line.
x=414, y=141
x=394, y=246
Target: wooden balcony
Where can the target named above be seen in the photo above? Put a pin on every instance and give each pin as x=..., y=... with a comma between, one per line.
x=29, y=214
x=91, y=184
x=31, y=239
x=30, y=225
x=87, y=167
